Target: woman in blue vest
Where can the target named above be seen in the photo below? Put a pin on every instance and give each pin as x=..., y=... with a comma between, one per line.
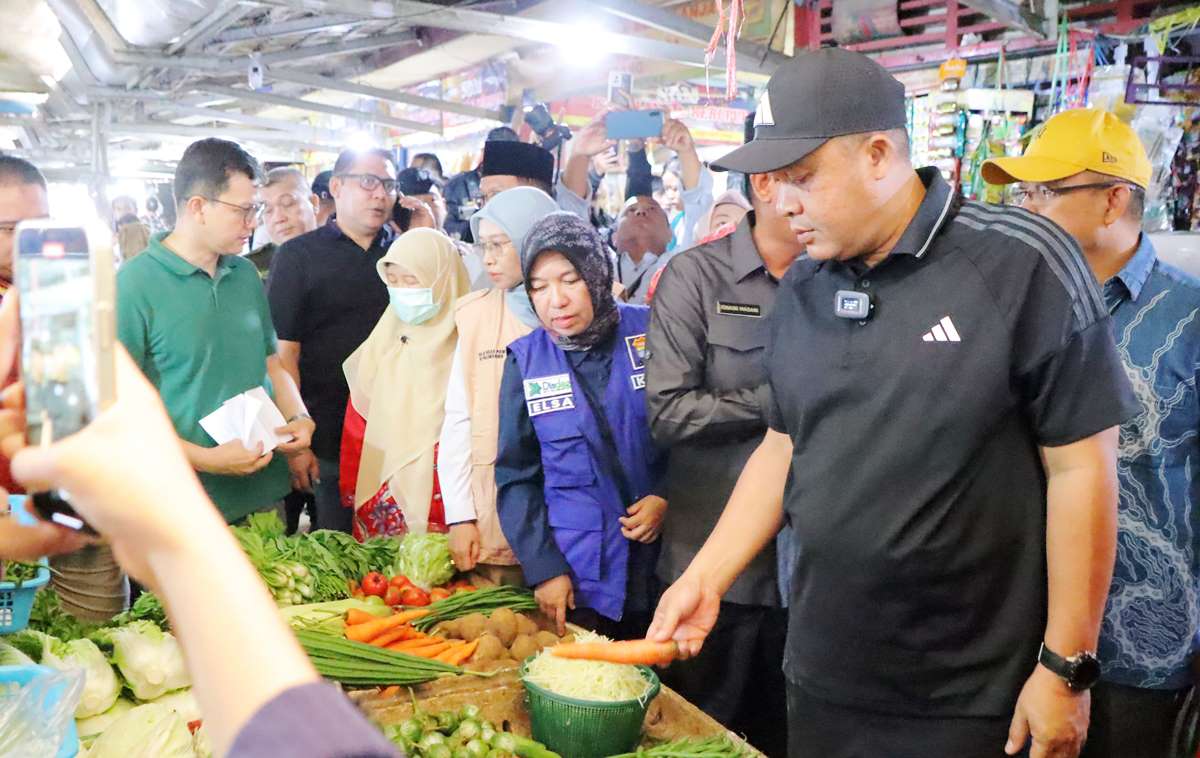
x=576, y=470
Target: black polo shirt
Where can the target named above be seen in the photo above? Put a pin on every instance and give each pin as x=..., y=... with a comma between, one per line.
x=916, y=490
x=326, y=294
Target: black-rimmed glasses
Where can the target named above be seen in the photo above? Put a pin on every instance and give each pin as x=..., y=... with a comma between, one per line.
x=252, y=213
x=371, y=182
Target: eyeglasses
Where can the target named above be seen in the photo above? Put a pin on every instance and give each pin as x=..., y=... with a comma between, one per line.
x=252, y=213
x=370, y=182
x=1040, y=193
x=491, y=248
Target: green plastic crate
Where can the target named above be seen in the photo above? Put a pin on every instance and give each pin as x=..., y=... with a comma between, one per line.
x=584, y=728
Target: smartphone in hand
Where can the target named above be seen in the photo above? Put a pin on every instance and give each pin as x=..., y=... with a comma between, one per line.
x=64, y=274
x=633, y=124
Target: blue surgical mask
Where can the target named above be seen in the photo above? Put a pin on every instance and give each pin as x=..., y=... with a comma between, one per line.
x=413, y=306
x=519, y=303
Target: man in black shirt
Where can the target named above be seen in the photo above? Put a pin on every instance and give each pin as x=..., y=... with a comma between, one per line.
x=944, y=396
x=326, y=297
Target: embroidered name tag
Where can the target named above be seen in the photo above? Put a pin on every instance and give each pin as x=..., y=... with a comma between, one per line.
x=549, y=405
x=491, y=355
x=636, y=345
x=638, y=381
x=739, y=309
x=547, y=386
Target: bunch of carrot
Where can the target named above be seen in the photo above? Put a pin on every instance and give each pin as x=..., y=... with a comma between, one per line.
x=397, y=633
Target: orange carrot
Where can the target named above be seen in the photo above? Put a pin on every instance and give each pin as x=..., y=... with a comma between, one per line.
x=354, y=616
x=643, y=652
x=413, y=615
x=369, y=630
x=461, y=654
x=455, y=645
x=388, y=637
x=429, y=651
x=417, y=643
x=391, y=691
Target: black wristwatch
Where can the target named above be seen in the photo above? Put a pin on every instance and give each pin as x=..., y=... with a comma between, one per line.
x=1081, y=671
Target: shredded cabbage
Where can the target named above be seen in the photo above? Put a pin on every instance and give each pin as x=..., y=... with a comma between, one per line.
x=149, y=658
x=147, y=731
x=92, y=727
x=587, y=680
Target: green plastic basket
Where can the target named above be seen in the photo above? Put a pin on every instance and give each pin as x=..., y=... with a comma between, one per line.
x=585, y=728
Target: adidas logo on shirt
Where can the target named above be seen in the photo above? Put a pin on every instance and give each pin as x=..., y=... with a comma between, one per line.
x=942, y=331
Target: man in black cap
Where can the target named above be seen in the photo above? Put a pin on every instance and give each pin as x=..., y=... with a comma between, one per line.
x=462, y=193
x=945, y=393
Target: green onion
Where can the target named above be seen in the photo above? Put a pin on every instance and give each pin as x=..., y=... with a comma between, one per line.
x=483, y=601
x=355, y=663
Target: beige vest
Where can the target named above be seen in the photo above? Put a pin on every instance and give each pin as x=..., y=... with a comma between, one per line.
x=486, y=328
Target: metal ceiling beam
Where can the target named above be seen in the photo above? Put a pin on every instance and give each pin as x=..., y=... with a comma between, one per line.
x=375, y=42
x=221, y=18
x=390, y=96
x=519, y=27
x=1014, y=14
x=306, y=105
x=284, y=28
x=311, y=133
x=152, y=128
x=664, y=20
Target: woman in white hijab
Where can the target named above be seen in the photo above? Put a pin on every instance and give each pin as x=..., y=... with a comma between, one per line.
x=397, y=382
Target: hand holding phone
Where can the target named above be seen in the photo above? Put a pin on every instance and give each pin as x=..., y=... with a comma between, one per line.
x=633, y=124
x=64, y=274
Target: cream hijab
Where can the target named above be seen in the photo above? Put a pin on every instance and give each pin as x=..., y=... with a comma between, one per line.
x=398, y=379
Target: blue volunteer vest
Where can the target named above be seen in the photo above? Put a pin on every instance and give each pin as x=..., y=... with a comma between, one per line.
x=583, y=496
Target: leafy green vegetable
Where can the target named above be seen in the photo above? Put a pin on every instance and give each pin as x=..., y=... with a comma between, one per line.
x=147, y=731
x=329, y=617
x=146, y=608
x=92, y=727
x=12, y=656
x=19, y=572
x=713, y=747
x=100, y=685
x=425, y=559
x=182, y=702
x=48, y=616
x=149, y=658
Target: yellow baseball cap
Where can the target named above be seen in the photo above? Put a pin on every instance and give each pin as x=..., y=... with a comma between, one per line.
x=1084, y=139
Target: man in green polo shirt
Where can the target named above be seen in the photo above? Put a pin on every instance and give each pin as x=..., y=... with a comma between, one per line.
x=194, y=317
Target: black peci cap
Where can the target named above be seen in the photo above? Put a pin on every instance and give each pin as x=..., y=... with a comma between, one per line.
x=518, y=159
x=819, y=95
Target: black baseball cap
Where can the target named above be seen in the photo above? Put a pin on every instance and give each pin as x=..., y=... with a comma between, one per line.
x=414, y=181
x=320, y=185
x=818, y=95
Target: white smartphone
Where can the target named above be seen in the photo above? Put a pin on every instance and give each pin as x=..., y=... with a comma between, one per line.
x=66, y=284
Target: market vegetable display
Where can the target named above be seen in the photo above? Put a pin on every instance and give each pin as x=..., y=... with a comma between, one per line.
x=150, y=660
x=460, y=734
x=714, y=747
x=100, y=687
x=598, y=681
x=359, y=664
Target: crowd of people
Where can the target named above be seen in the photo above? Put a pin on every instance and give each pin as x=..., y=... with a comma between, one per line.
x=868, y=453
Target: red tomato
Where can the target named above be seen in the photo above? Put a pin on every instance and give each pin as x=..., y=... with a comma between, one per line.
x=374, y=584
x=414, y=596
x=400, y=580
x=438, y=593
x=394, y=595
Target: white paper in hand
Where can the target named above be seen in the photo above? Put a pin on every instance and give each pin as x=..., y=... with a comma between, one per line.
x=250, y=417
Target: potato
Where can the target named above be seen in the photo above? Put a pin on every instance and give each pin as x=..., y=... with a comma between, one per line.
x=450, y=629
x=471, y=626
x=503, y=624
x=523, y=647
x=545, y=640
x=489, y=649
x=526, y=625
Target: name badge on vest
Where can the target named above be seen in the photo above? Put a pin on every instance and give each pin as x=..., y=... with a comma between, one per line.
x=638, y=381
x=547, y=394
x=739, y=309
x=636, y=345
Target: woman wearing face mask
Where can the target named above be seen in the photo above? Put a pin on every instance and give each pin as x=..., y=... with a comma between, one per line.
x=397, y=382
x=487, y=322
x=576, y=469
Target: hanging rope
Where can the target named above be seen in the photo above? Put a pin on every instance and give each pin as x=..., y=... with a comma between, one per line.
x=729, y=25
